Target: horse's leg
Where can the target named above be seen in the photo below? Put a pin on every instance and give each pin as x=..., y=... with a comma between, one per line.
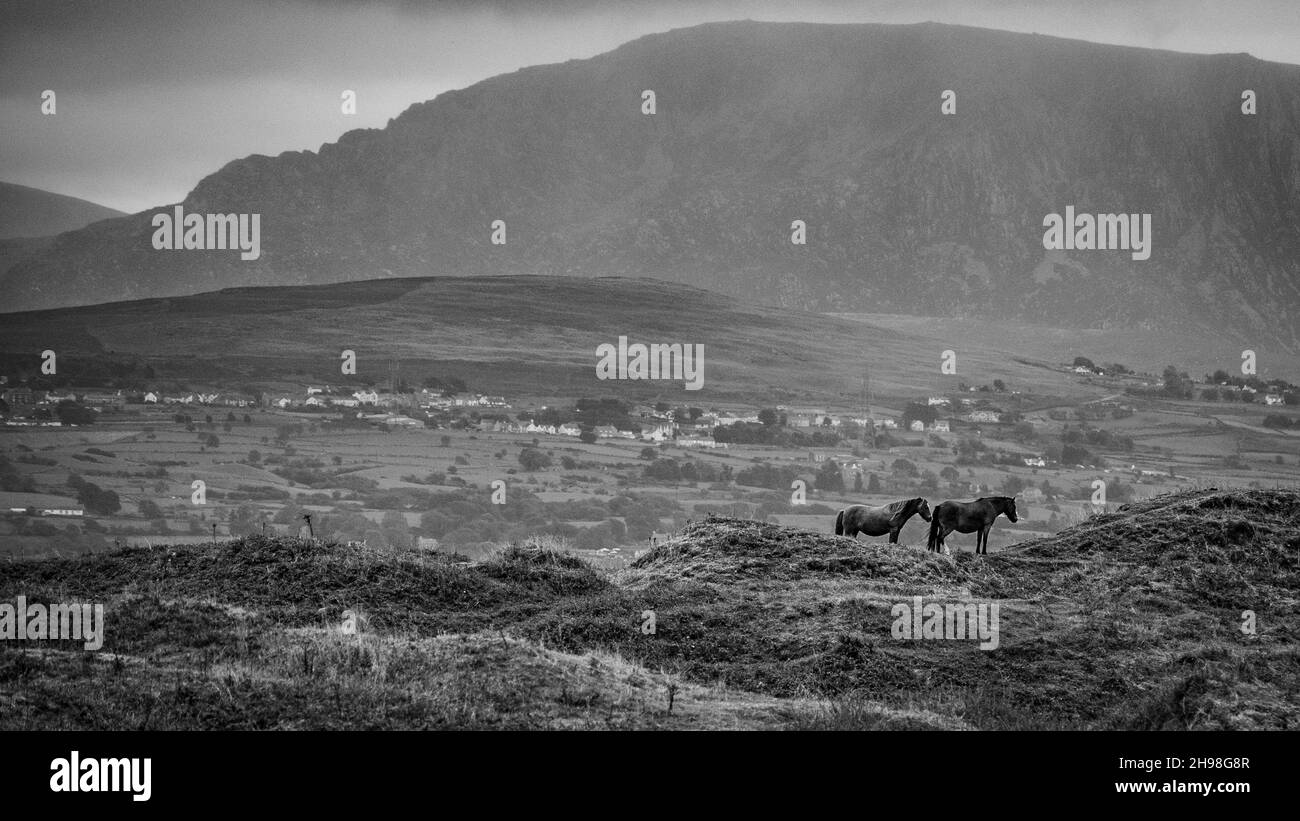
x=893, y=536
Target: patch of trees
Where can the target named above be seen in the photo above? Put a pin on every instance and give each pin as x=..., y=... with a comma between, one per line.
x=765, y=475
x=915, y=411
x=94, y=498
x=70, y=413
x=532, y=459
x=12, y=480
x=1097, y=437
x=751, y=433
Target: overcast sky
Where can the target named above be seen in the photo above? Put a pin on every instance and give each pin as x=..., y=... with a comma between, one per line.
x=153, y=95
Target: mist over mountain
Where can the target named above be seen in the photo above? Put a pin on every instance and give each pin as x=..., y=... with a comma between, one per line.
x=757, y=125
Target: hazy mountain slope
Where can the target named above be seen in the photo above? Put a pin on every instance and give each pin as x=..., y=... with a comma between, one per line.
x=759, y=124
x=31, y=212
x=515, y=335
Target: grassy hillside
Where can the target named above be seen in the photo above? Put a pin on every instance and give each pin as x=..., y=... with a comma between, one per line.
x=526, y=334
x=1129, y=620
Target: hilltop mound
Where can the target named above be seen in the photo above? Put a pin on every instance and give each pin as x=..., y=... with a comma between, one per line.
x=1131, y=620
x=296, y=582
x=724, y=550
x=1258, y=527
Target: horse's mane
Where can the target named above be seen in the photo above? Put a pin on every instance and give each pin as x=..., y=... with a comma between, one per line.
x=894, y=507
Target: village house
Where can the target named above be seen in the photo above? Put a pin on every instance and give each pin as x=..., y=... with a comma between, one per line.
x=150, y=397
x=917, y=426
x=658, y=431
x=1273, y=399
x=729, y=420
x=104, y=399
x=700, y=442
x=936, y=400
x=1035, y=462
x=569, y=429
x=984, y=416
x=805, y=417
x=940, y=426
x=366, y=397
x=398, y=420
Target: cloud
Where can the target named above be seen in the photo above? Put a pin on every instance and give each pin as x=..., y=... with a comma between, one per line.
x=153, y=94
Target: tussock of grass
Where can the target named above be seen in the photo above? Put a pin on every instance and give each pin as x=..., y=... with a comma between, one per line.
x=1128, y=620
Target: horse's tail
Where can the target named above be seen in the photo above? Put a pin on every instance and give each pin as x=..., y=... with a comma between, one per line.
x=934, y=531
x=839, y=523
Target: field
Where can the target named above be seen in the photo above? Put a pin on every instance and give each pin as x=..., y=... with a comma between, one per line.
x=273, y=466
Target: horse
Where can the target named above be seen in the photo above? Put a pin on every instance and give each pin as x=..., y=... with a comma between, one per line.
x=877, y=521
x=969, y=517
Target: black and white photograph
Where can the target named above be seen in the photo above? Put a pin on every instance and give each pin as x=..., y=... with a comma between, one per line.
x=737, y=367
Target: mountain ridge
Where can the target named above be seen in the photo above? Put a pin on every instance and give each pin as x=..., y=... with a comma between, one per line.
x=759, y=124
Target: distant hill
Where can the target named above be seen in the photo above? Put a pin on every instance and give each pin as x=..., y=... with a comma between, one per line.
x=30, y=212
x=506, y=334
x=758, y=124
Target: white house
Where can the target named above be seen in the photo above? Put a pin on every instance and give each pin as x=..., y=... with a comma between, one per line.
x=917, y=425
x=569, y=429
x=940, y=426
x=700, y=442
x=657, y=432
x=1035, y=462
x=402, y=421
x=366, y=397
x=1273, y=399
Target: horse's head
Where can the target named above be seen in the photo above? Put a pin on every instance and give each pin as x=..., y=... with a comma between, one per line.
x=923, y=508
x=1010, y=508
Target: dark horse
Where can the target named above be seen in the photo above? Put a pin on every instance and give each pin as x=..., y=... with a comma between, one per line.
x=969, y=517
x=877, y=521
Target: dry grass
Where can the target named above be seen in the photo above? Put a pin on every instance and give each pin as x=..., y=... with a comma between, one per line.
x=1127, y=620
